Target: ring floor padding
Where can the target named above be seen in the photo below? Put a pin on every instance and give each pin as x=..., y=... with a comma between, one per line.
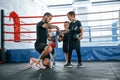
x=21, y=55
x=91, y=70
x=88, y=53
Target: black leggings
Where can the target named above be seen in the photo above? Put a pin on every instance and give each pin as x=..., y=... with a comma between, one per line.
x=77, y=48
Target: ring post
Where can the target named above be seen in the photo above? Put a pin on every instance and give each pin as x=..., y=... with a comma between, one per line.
x=2, y=50
x=119, y=27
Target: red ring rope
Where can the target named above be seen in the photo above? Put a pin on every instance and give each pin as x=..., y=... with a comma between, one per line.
x=20, y=40
x=35, y=16
x=32, y=24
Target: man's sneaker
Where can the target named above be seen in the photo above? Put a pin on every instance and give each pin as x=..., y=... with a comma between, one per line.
x=31, y=62
x=40, y=65
x=68, y=65
x=79, y=65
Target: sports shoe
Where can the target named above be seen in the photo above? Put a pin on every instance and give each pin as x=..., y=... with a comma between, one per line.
x=79, y=65
x=68, y=65
x=31, y=62
x=40, y=65
x=53, y=65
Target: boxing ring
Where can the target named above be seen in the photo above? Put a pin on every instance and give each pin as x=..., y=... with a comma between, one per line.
x=12, y=41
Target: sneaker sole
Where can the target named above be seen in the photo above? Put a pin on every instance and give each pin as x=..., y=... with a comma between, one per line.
x=68, y=66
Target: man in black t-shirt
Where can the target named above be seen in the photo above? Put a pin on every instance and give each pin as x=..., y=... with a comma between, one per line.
x=42, y=34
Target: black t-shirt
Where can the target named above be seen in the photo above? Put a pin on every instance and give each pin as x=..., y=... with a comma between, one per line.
x=42, y=33
x=74, y=28
x=66, y=37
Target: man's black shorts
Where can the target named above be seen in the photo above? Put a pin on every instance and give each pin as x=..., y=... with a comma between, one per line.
x=40, y=47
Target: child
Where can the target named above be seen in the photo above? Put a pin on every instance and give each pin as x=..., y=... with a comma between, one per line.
x=64, y=37
x=76, y=33
x=52, y=43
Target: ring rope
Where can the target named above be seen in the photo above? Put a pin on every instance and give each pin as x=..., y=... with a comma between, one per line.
x=64, y=15
x=20, y=40
x=20, y=32
x=25, y=29
x=28, y=24
x=32, y=24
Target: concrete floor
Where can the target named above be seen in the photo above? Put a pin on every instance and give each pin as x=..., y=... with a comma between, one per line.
x=93, y=70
